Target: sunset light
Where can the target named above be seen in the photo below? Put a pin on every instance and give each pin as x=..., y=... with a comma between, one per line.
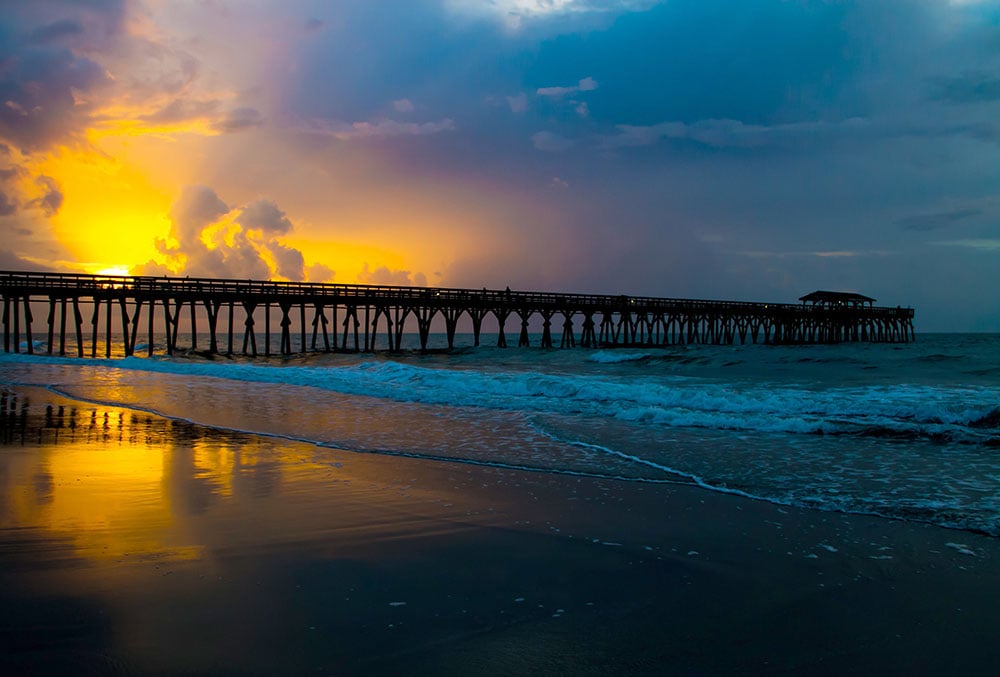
x=499, y=337
x=565, y=145
x=120, y=271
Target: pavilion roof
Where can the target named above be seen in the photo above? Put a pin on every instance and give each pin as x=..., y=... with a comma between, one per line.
x=820, y=296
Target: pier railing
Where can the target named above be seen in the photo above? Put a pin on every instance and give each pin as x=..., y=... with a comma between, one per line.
x=351, y=317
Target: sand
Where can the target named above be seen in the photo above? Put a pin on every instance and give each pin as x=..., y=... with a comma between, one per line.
x=130, y=544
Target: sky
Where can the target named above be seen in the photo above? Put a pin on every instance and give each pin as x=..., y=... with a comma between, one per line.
x=722, y=149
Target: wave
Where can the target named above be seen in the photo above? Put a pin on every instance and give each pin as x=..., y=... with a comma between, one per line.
x=941, y=507
x=617, y=356
x=900, y=411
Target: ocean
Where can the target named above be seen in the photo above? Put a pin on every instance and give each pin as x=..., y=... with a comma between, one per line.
x=905, y=431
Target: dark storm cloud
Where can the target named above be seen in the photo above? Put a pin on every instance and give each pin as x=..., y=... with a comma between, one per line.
x=44, y=76
x=37, y=93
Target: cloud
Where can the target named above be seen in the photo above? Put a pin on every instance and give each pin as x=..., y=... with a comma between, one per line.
x=319, y=272
x=197, y=208
x=264, y=215
x=983, y=244
x=550, y=142
x=182, y=110
x=11, y=173
x=51, y=72
x=403, y=105
x=289, y=262
x=239, y=119
x=384, y=276
x=51, y=200
x=210, y=239
x=821, y=254
x=41, y=91
x=7, y=206
x=11, y=261
x=73, y=65
x=515, y=14
x=518, y=103
x=379, y=129
x=727, y=133
x=17, y=191
x=937, y=220
x=587, y=84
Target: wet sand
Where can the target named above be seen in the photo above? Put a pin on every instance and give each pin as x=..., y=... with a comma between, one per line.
x=131, y=544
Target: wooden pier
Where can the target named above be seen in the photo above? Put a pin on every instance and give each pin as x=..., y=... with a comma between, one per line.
x=92, y=314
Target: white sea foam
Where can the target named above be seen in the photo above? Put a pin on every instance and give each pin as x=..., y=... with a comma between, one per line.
x=903, y=410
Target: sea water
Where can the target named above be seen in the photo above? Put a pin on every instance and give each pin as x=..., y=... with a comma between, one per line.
x=908, y=431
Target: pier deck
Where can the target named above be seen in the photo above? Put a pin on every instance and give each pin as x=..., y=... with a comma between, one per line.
x=86, y=312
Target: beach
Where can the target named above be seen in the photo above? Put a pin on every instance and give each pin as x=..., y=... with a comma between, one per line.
x=135, y=544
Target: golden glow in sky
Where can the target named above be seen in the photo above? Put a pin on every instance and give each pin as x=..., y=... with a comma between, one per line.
x=111, y=214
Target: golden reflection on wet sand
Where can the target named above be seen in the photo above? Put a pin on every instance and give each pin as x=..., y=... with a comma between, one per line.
x=127, y=484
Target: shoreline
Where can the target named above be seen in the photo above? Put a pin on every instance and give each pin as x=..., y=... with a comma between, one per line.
x=216, y=552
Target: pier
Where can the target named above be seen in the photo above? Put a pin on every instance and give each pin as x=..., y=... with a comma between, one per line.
x=103, y=315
